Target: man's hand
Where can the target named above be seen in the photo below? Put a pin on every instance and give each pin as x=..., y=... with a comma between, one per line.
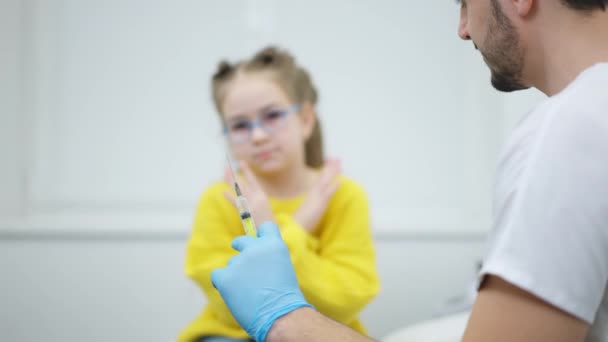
x=259, y=285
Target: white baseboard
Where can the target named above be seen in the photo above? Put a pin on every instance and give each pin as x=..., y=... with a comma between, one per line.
x=390, y=224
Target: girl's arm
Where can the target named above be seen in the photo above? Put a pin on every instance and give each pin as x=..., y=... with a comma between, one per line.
x=336, y=272
x=215, y=225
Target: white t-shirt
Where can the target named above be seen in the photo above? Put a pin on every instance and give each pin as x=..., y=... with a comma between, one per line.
x=551, y=203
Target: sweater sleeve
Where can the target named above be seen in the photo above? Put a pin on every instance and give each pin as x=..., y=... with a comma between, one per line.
x=216, y=224
x=337, y=270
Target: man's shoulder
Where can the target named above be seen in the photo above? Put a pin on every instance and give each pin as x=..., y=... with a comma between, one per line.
x=585, y=99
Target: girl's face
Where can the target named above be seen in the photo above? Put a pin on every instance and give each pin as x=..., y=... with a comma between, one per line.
x=263, y=126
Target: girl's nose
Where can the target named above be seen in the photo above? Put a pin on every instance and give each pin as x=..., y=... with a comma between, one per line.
x=258, y=133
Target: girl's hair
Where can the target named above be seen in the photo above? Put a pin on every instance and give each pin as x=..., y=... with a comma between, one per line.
x=294, y=79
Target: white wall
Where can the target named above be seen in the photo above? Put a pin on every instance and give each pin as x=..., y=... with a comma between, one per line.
x=122, y=122
x=107, y=137
x=11, y=129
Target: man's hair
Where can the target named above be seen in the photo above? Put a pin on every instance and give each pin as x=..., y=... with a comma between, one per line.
x=586, y=5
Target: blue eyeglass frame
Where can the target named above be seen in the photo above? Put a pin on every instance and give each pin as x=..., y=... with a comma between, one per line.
x=258, y=122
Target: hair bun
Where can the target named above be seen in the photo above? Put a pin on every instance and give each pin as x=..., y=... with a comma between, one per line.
x=272, y=56
x=267, y=56
x=223, y=69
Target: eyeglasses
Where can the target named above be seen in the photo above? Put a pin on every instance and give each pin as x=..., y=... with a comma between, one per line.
x=240, y=130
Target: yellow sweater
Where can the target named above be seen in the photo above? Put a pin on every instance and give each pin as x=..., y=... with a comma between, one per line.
x=335, y=264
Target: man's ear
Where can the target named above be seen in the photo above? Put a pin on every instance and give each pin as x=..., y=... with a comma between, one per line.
x=523, y=7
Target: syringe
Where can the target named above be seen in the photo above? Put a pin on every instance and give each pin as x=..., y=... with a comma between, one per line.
x=243, y=206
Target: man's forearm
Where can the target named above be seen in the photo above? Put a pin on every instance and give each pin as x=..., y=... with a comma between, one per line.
x=308, y=325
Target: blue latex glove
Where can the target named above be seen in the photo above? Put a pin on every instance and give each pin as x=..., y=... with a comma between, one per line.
x=259, y=285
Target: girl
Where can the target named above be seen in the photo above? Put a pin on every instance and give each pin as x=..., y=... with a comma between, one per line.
x=267, y=107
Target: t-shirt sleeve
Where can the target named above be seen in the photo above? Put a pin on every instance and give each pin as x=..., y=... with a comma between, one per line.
x=553, y=242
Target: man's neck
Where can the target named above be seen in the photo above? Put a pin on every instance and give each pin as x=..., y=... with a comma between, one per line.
x=567, y=48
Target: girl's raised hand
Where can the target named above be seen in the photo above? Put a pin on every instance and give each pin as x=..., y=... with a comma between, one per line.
x=259, y=203
x=314, y=205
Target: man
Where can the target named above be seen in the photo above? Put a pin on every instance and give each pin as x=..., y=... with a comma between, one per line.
x=546, y=272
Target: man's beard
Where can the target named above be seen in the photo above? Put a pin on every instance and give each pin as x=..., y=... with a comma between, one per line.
x=503, y=52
